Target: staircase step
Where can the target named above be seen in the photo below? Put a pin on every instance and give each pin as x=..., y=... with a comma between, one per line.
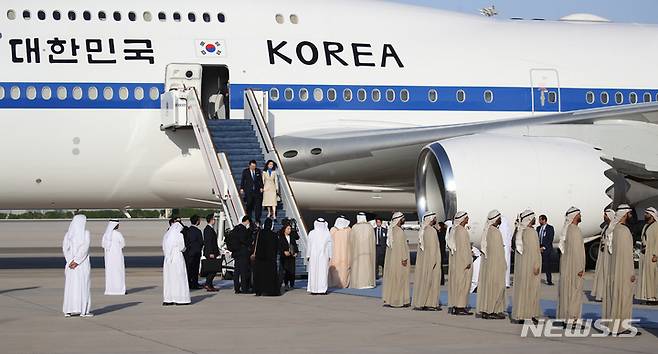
x=228, y=122
x=235, y=144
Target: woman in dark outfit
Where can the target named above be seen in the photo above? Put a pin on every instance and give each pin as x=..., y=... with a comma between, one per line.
x=266, y=280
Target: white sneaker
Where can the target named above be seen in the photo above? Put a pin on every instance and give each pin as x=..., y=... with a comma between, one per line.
x=87, y=315
x=67, y=315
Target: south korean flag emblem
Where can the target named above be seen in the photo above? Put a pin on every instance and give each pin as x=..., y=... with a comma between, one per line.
x=211, y=48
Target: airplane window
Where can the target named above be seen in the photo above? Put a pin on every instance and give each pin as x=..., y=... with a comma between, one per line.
x=46, y=93
x=162, y=16
x=303, y=94
x=288, y=94
x=390, y=95
x=108, y=93
x=488, y=96
x=31, y=93
x=461, y=96
x=26, y=14
x=274, y=94
x=72, y=15
x=647, y=97
x=632, y=97
x=77, y=93
x=132, y=16
x=619, y=97
x=102, y=16
x=2, y=93
x=147, y=16
x=404, y=95
x=92, y=93
x=139, y=93
x=61, y=93
x=604, y=97
x=290, y=154
x=331, y=95
x=376, y=95
x=206, y=17
x=552, y=97
x=57, y=15
x=15, y=93
x=123, y=93
x=191, y=17
x=176, y=17
x=41, y=15
x=11, y=14
x=589, y=97
x=279, y=18
x=294, y=19
x=347, y=95
x=154, y=93
x=361, y=95
x=318, y=94
x=221, y=18
x=86, y=15
x=432, y=95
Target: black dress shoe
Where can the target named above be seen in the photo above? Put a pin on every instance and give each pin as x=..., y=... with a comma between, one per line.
x=167, y=303
x=550, y=283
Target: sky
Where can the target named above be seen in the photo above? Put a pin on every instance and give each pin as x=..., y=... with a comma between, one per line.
x=639, y=11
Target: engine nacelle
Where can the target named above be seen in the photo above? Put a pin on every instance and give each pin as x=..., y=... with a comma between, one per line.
x=484, y=172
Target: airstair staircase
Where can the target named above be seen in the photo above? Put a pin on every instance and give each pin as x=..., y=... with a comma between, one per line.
x=227, y=146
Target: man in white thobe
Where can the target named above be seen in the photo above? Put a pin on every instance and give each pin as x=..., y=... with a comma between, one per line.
x=319, y=255
x=77, y=286
x=115, y=269
x=475, y=278
x=507, y=231
x=176, y=289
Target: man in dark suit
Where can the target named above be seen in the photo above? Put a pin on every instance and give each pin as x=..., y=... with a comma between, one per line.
x=442, y=229
x=288, y=251
x=251, y=187
x=210, y=249
x=546, y=234
x=380, y=244
x=193, y=246
x=240, y=244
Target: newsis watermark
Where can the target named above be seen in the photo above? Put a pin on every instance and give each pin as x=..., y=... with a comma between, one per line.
x=580, y=329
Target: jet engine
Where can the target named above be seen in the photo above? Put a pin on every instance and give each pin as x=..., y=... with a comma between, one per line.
x=479, y=173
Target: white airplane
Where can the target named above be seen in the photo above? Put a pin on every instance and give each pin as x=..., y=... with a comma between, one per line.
x=374, y=105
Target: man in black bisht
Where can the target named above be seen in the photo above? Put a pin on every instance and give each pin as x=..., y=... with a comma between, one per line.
x=240, y=243
x=288, y=251
x=193, y=246
x=266, y=280
x=210, y=249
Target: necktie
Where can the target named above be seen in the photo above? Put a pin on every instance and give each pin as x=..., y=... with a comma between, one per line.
x=379, y=234
x=542, y=234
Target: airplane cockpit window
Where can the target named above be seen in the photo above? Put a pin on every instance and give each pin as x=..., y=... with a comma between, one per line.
x=191, y=17
x=404, y=95
x=147, y=16
x=26, y=14
x=162, y=16
x=11, y=14
x=102, y=16
x=221, y=18
x=86, y=15
x=176, y=16
x=41, y=15
x=132, y=17
x=117, y=16
x=206, y=17
x=57, y=15
x=589, y=97
x=72, y=15
x=632, y=97
x=604, y=97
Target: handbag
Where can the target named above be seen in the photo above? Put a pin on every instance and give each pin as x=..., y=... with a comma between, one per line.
x=210, y=266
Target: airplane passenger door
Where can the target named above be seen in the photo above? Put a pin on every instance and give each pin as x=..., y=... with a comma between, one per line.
x=545, y=85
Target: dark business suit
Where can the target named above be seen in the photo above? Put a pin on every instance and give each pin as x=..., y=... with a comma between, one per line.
x=287, y=263
x=253, y=196
x=441, y=232
x=242, y=241
x=380, y=242
x=546, y=241
x=210, y=247
x=193, y=246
